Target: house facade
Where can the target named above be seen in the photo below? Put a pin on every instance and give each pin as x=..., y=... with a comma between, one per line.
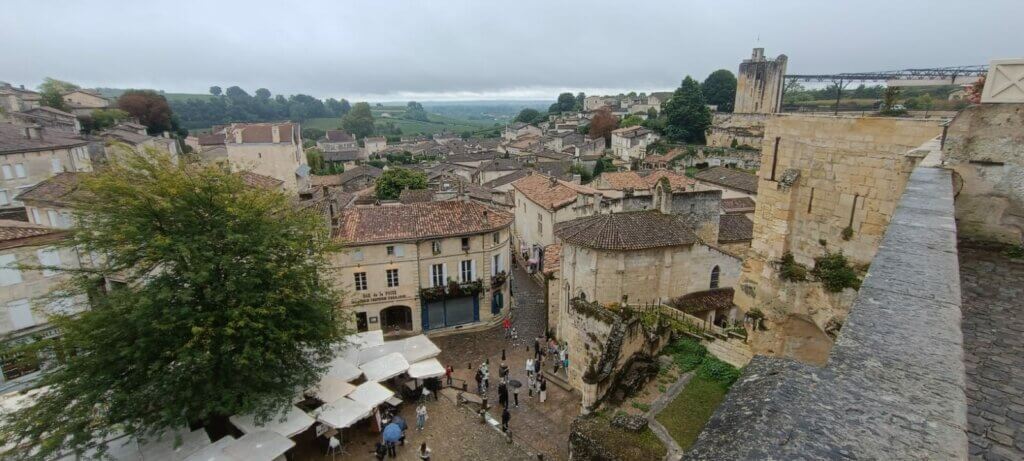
x=270, y=149
x=631, y=142
x=84, y=102
x=423, y=267
x=541, y=202
x=31, y=154
x=24, y=292
x=374, y=144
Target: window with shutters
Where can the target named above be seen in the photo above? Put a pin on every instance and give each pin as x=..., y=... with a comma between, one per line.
x=360, y=280
x=36, y=218
x=8, y=172
x=437, y=275
x=392, y=275
x=466, y=271
x=49, y=257
x=391, y=250
x=19, y=170
x=53, y=217
x=496, y=267
x=9, y=272
x=496, y=237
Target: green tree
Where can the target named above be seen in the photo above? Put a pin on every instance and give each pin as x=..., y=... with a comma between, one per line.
x=631, y=120
x=263, y=94
x=529, y=116
x=215, y=90
x=603, y=164
x=395, y=180
x=720, y=89
x=566, y=103
x=580, y=97
x=415, y=111
x=225, y=307
x=51, y=93
x=150, y=108
x=102, y=119
x=359, y=121
x=315, y=159
x=687, y=115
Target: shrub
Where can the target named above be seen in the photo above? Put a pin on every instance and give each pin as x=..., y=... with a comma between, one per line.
x=835, y=272
x=717, y=370
x=642, y=406
x=686, y=353
x=847, y=233
x=791, y=270
x=1015, y=251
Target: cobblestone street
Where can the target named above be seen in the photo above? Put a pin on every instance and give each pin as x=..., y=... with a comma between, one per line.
x=542, y=428
x=993, y=328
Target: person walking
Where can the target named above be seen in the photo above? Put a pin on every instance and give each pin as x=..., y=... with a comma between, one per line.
x=503, y=395
x=529, y=367
x=536, y=347
x=448, y=375
x=503, y=370
x=505, y=417
x=391, y=449
x=479, y=381
x=531, y=382
x=543, y=390
x=421, y=417
x=515, y=396
x=424, y=452
x=536, y=365
x=507, y=324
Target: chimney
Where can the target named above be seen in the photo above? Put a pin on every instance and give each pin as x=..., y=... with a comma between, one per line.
x=275, y=133
x=34, y=132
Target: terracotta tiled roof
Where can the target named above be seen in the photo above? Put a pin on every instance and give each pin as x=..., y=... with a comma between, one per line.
x=57, y=190
x=507, y=178
x=549, y=193
x=260, y=181
x=634, y=230
x=376, y=139
x=704, y=301
x=348, y=175
x=13, y=139
x=735, y=228
x=11, y=231
x=633, y=180
x=552, y=258
x=729, y=177
x=738, y=205
x=416, y=195
x=338, y=136
x=418, y=221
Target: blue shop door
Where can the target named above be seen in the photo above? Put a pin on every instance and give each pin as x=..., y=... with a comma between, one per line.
x=497, y=302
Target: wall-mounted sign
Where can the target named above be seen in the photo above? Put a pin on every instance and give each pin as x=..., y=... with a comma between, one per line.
x=373, y=319
x=380, y=296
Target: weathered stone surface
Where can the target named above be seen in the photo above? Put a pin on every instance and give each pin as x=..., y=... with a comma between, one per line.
x=894, y=385
x=630, y=422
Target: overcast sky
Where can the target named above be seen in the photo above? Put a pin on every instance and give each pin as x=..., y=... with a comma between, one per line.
x=429, y=50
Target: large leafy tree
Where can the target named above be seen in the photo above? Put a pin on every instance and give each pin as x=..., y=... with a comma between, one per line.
x=51, y=92
x=150, y=108
x=392, y=182
x=602, y=124
x=720, y=89
x=415, y=111
x=530, y=116
x=566, y=103
x=359, y=121
x=686, y=115
x=225, y=309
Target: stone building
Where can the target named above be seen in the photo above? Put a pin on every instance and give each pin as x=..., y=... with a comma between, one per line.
x=31, y=154
x=134, y=136
x=24, y=292
x=732, y=182
x=272, y=149
x=631, y=142
x=17, y=99
x=826, y=184
x=759, y=84
x=540, y=203
x=429, y=266
x=46, y=117
x=84, y=102
x=516, y=130
x=372, y=145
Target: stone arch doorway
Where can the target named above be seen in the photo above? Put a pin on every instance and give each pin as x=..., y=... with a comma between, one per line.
x=396, y=319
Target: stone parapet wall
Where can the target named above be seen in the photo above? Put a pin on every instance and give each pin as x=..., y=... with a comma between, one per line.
x=744, y=128
x=893, y=386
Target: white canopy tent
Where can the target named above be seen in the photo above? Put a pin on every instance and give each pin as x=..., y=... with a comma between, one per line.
x=290, y=424
x=419, y=347
x=430, y=368
x=370, y=394
x=385, y=367
x=163, y=448
x=367, y=339
x=343, y=369
x=259, y=446
x=214, y=451
x=343, y=413
x=330, y=389
x=370, y=354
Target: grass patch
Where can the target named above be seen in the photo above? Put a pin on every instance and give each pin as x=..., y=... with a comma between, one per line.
x=623, y=443
x=642, y=406
x=685, y=416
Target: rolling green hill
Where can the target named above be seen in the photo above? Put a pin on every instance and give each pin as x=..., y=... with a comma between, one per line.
x=114, y=93
x=436, y=123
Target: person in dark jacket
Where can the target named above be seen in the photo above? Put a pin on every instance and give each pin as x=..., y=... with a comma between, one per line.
x=503, y=394
x=505, y=416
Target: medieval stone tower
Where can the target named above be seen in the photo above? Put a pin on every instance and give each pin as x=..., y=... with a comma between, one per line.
x=759, y=84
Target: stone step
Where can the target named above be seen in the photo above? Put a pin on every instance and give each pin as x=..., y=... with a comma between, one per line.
x=557, y=380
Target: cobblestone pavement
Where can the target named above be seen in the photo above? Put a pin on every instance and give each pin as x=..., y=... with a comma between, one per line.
x=542, y=427
x=993, y=327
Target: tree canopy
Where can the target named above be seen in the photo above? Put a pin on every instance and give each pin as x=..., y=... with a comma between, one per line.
x=602, y=124
x=359, y=121
x=150, y=108
x=530, y=116
x=415, y=111
x=631, y=120
x=720, y=89
x=234, y=104
x=51, y=92
x=225, y=308
x=393, y=181
x=686, y=115
x=101, y=119
x=566, y=103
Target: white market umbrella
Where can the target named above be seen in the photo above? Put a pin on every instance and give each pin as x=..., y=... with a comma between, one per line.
x=370, y=354
x=366, y=339
x=290, y=424
x=163, y=448
x=343, y=369
x=343, y=413
x=419, y=348
x=430, y=368
x=259, y=446
x=214, y=451
x=370, y=394
x=330, y=389
x=385, y=367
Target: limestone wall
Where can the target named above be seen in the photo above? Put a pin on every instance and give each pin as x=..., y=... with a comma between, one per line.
x=759, y=84
x=744, y=128
x=830, y=173
x=985, y=146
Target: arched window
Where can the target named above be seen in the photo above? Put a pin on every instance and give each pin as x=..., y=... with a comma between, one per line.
x=714, y=277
